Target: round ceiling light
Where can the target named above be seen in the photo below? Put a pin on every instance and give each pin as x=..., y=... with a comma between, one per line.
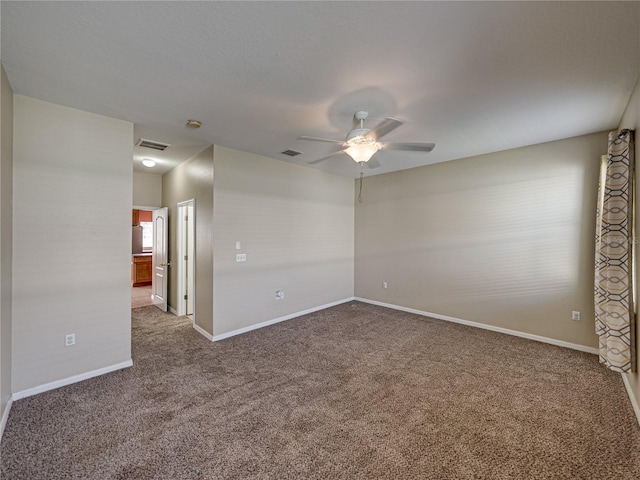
x=147, y=162
x=194, y=123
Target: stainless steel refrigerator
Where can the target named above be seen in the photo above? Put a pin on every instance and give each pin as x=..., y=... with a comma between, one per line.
x=136, y=239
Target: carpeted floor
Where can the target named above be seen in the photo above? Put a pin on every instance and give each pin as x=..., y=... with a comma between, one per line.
x=352, y=392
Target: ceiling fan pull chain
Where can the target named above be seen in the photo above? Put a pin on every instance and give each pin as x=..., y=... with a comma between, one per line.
x=361, y=178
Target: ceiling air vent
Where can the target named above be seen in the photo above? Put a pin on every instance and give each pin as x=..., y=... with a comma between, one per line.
x=291, y=153
x=143, y=142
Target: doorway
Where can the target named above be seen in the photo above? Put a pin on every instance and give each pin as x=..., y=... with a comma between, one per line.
x=185, y=235
x=141, y=251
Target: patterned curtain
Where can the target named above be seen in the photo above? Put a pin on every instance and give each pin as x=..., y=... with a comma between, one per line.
x=614, y=288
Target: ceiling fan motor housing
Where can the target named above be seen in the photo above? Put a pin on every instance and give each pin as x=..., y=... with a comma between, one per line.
x=357, y=136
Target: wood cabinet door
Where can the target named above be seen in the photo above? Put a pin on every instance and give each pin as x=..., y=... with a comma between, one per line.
x=142, y=271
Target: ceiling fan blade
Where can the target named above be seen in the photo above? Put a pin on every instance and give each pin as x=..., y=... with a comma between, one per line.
x=319, y=139
x=313, y=162
x=384, y=127
x=410, y=147
x=374, y=163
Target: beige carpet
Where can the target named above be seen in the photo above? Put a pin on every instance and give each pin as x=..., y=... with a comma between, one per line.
x=352, y=392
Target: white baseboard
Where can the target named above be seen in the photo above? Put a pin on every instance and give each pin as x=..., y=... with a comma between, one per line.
x=173, y=310
x=516, y=333
x=69, y=380
x=203, y=332
x=5, y=416
x=632, y=397
x=233, y=333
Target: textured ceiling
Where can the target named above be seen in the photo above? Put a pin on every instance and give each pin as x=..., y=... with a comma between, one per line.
x=473, y=77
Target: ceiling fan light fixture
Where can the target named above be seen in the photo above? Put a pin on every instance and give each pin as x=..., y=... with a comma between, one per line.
x=362, y=152
x=361, y=143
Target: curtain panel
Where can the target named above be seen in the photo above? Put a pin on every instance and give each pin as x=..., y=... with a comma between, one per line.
x=614, y=261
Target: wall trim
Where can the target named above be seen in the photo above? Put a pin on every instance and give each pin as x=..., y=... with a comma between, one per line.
x=173, y=310
x=5, y=416
x=515, y=333
x=69, y=380
x=632, y=397
x=266, y=323
x=202, y=331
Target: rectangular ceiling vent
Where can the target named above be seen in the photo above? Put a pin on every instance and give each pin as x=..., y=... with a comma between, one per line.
x=143, y=142
x=291, y=153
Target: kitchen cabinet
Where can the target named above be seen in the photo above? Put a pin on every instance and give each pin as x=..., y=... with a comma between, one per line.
x=141, y=270
x=135, y=217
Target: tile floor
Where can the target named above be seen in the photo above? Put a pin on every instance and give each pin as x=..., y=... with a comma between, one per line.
x=141, y=296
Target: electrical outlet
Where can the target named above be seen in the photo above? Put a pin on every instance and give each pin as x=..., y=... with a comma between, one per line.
x=575, y=316
x=241, y=257
x=279, y=295
x=69, y=339
x=385, y=285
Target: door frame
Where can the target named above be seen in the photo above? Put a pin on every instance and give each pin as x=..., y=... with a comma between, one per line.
x=182, y=249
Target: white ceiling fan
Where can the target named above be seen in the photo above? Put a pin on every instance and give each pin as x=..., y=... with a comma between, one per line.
x=362, y=143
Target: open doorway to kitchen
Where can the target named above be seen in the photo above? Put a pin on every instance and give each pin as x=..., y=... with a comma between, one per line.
x=141, y=257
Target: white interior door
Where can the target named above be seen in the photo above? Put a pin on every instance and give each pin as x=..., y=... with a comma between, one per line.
x=190, y=259
x=185, y=262
x=160, y=257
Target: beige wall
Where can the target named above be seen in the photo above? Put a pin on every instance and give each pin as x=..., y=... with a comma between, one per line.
x=70, y=274
x=147, y=189
x=631, y=120
x=296, y=226
x=504, y=239
x=193, y=179
x=6, y=233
